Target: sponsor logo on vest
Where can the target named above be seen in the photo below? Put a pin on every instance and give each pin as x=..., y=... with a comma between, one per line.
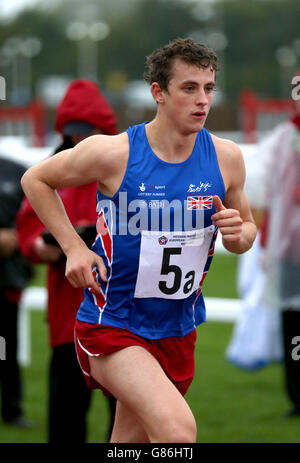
x=151, y=190
x=203, y=186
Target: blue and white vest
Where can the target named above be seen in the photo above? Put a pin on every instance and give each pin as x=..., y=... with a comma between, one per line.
x=157, y=240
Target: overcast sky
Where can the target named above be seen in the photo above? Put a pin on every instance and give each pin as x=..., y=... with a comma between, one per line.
x=9, y=8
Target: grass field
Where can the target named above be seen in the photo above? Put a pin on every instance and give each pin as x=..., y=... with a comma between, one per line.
x=230, y=405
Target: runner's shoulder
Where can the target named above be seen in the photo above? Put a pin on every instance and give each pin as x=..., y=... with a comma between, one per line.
x=105, y=148
x=228, y=152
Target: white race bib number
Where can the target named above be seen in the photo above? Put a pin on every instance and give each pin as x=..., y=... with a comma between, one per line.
x=171, y=263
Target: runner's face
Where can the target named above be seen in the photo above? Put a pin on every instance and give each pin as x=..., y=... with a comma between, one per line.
x=189, y=96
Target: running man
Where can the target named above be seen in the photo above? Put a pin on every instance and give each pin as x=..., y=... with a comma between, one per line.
x=165, y=188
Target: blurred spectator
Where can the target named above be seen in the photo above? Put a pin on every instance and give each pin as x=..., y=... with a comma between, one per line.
x=82, y=112
x=256, y=339
x=281, y=238
x=15, y=272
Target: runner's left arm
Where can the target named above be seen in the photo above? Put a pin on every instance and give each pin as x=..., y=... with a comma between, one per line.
x=233, y=217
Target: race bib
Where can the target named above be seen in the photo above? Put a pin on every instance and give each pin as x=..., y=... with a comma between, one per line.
x=171, y=264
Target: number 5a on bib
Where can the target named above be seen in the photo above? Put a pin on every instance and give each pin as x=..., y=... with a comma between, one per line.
x=172, y=267
x=166, y=268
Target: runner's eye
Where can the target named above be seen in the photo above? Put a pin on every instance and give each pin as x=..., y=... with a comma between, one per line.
x=189, y=88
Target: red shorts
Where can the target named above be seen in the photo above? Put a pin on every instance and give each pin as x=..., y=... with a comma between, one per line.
x=175, y=354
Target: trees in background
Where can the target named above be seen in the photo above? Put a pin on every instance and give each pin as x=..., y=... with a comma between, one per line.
x=258, y=41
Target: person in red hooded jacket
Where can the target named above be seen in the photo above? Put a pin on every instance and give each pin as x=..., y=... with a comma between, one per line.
x=82, y=112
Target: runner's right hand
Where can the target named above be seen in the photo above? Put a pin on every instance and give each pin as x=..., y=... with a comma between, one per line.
x=79, y=268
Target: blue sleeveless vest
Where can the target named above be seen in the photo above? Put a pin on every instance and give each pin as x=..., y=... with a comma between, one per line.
x=157, y=240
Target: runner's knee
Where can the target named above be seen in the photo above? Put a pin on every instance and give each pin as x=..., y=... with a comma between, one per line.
x=174, y=430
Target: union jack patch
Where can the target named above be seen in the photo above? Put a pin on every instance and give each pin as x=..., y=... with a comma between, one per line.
x=199, y=202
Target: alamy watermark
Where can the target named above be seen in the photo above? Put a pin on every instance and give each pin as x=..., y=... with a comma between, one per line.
x=2, y=348
x=296, y=88
x=152, y=214
x=2, y=88
x=296, y=350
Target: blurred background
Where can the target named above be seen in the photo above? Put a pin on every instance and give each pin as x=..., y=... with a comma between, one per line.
x=43, y=47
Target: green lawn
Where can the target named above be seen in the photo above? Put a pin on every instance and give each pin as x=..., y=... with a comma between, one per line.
x=230, y=405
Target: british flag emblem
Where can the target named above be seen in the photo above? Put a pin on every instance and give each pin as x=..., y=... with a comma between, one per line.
x=199, y=202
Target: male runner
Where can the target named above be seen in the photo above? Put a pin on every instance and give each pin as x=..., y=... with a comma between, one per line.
x=165, y=188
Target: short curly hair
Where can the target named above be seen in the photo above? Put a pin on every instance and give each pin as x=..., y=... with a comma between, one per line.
x=159, y=62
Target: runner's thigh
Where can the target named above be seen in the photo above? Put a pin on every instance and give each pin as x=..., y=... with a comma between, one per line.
x=137, y=380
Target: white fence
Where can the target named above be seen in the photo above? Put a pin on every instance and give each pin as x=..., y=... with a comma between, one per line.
x=35, y=298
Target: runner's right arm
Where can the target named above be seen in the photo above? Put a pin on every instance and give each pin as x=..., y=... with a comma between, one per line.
x=89, y=161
